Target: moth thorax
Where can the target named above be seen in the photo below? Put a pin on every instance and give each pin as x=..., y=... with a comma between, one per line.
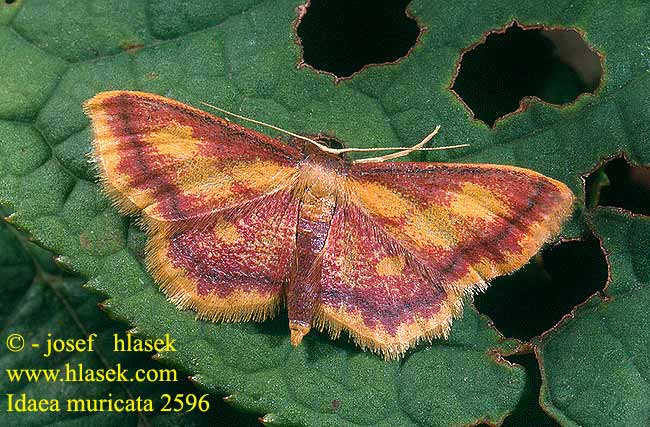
x=321, y=180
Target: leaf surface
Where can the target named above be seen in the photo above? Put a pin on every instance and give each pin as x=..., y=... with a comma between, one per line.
x=242, y=56
x=596, y=365
x=41, y=302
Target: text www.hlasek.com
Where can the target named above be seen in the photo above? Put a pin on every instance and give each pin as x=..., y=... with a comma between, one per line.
x=79, y=373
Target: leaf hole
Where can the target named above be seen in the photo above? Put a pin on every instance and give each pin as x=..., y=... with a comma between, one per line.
x=10, y=1
x=531, y=301
x=554, y=65
x=528, y=412
x=341, y=37
x=619, y=184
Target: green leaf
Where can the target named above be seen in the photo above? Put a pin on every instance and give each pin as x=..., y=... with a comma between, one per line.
x=596, y=365
x=40, y=302
x=242, y=56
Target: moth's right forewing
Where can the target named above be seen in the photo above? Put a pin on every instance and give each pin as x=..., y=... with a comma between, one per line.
x=174, y=162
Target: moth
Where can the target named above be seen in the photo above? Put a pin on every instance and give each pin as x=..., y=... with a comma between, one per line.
x=240, y=223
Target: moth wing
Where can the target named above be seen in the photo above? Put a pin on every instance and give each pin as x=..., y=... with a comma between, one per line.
x=414, y=238
x=466, y=223
x=230, y=266
x=375, y=289
x=215, y=197
x=174, y=162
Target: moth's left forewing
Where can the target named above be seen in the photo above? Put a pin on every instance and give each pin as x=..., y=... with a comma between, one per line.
x=468, y=222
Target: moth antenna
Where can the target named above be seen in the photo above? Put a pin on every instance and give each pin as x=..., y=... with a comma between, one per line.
x=295, y=135
x=415, y=147
x=405, y=151
x=362, y=150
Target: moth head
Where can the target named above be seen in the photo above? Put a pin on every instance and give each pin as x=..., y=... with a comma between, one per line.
x=324, y=158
